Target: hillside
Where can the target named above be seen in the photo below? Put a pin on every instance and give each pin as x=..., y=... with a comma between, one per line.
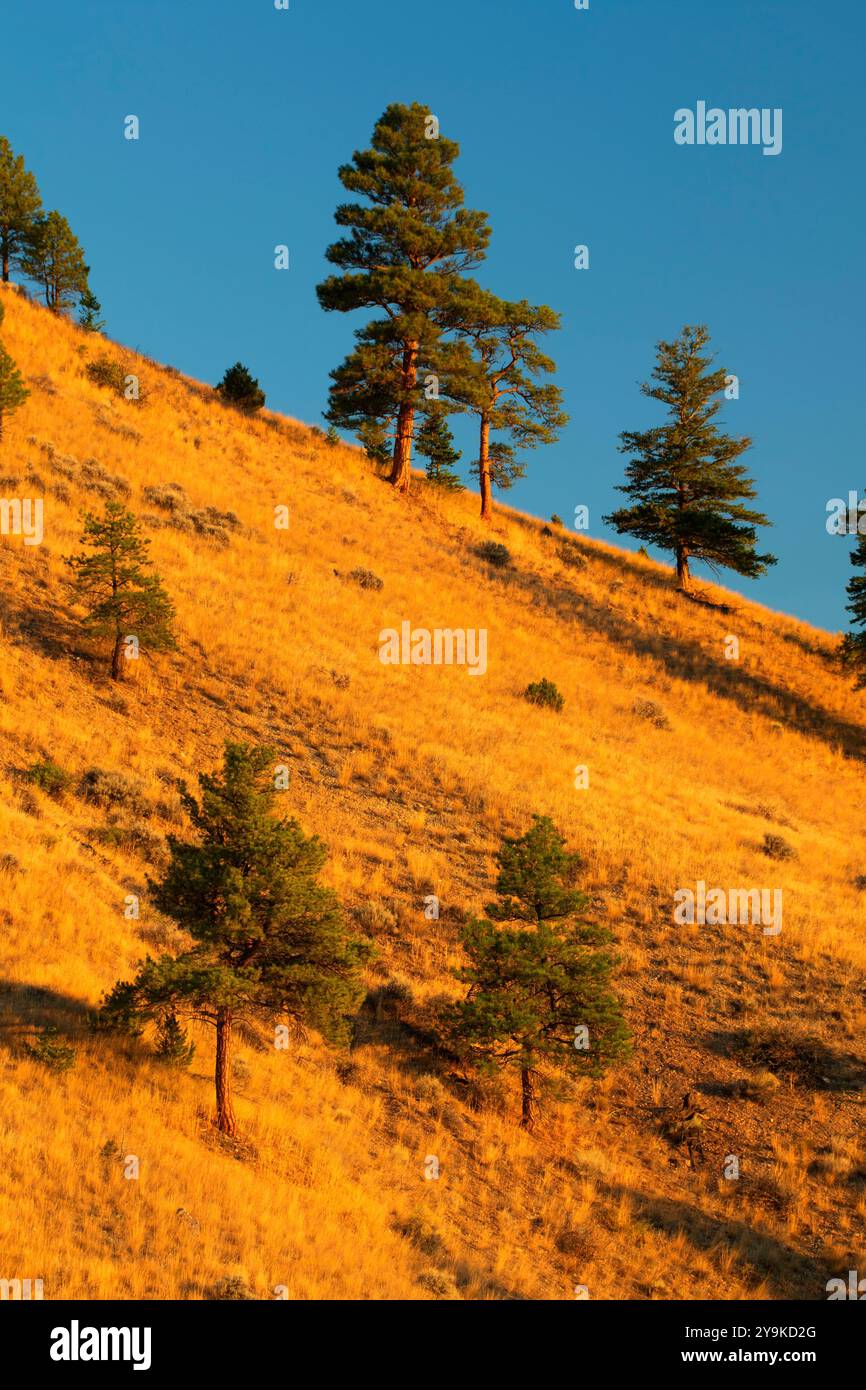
x=411, y=774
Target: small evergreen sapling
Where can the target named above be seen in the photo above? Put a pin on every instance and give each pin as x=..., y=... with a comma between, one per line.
x=435, y=443
x=123, y=600
x=240, y=389
x=539, y=987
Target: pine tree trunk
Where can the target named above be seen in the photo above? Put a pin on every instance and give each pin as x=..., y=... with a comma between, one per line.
x=527, y=1084
x=226, y=1123
x=401, y=472
x=683, y=576
x=5, y=263
x=116, y=656
x=484, y=472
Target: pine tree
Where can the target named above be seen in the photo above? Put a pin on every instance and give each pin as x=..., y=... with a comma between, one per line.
x=240, y=389
x=435, y=443
x=52, y=256
x=688, y=492
x=407, y=247
x=496, y=379
x=853, y=648
x=89, y=311
x=173, y=1046
x=539, y=993
x=123, y=600
x=269, y=940
x=20, y=206
x=13, y=392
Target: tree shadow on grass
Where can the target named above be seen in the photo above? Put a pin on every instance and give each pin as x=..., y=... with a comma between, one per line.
x=25, y=1008
x=748, y=690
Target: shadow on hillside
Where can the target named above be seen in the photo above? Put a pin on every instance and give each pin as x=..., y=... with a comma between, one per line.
x=47, y=629
x=788, y=1272
x=751, y=692
x=24, y=1008
x=798, y=1058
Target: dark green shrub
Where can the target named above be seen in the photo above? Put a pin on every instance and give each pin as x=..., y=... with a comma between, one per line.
x=49, y=777
x=494, y=553
x=57, y=1056
x=544, y=693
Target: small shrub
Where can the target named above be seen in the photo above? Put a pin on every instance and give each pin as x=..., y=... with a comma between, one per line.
x=653, y=713
x=107, y=371
x=544, y=693
x=494, y=553
x=57, y=1056
x=231, y=1288
x=776, y=847
x=113, y=789
x=557, y=519
x=760, y=1088
x=440, y=1282
x=571, y=556
x=366, y=579
x=49, y=777
x=422, y=1233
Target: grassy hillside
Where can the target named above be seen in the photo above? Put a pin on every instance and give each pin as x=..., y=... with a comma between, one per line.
x=412, y=774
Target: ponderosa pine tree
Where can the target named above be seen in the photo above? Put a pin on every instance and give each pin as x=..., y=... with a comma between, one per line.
x=496, y=379
x=688, y=492
x=853, y=648
x=13, y=392
x=89, y=310
x=122, y=598
x=539, y=990
x=435, y=443
x=409, y=243
x=52, y=256
x=240, y=389
x=20, y=206
x=269, y=940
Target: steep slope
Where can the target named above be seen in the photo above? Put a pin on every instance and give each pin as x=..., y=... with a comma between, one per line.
x=412, y=774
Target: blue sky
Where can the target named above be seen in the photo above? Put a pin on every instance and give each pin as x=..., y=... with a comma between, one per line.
x=565, y=120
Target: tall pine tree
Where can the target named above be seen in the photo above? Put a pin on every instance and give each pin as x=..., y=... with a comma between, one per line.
x=688, y=492
x=122, y=599
x=20, y=206
x=853, y=648
x=497, y=378
x=268, y=940
x=52, y=256
x=539, y=988
x=409, y=241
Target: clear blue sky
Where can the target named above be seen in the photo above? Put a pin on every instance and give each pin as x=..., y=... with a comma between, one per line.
x=565, y=121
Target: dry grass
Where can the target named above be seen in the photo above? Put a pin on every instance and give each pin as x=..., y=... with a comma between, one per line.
x=412, y=775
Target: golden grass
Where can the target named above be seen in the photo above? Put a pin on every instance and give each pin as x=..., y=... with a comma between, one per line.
x=412, y=775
